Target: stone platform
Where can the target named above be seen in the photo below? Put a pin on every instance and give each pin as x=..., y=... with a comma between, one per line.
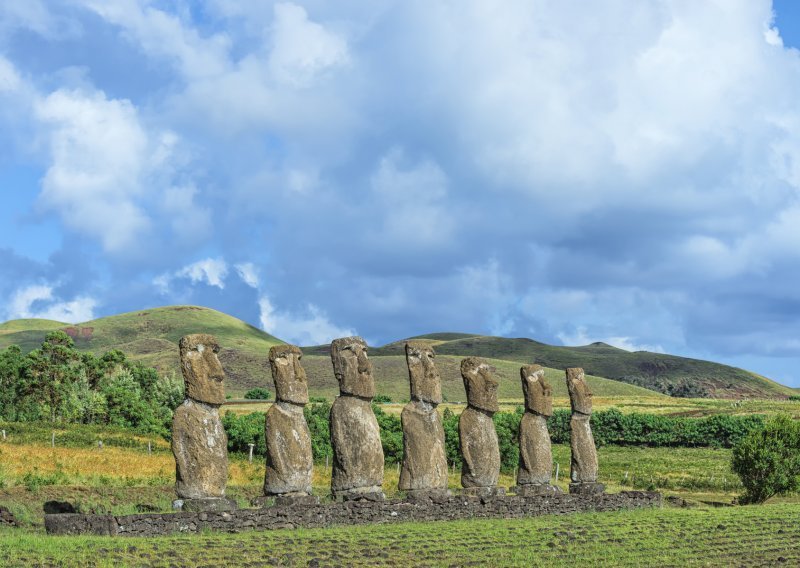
x=441, y=508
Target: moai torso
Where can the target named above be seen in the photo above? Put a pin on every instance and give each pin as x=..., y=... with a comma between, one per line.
x=289, y=460
x=535, y=451
x=199, y=443
x=479, y=445
x=424, y=459
x=355, y=436
x=584, y=454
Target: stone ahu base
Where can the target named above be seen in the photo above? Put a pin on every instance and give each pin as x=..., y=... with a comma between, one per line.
x=485, y=492
x=347, y=513
x=286, y=500
x=586, y=488
x=533, y=489
x=214, y=504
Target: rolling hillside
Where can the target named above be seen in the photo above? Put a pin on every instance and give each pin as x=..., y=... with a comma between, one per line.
x=151, y=336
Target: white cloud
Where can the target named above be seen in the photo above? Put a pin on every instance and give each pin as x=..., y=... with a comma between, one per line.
x=248, y=272
x=209, y=271
x=310, y=328
x=22, y=304
x=580, y=336
x=303, y=50
x=9, y=78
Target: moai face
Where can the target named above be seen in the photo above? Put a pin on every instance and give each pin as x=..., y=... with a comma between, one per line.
x=202, y=371
x=538, y=394
x=480, y=384
x=352, y=368
x=291, y=383
x=424, y=378
x=579, y=394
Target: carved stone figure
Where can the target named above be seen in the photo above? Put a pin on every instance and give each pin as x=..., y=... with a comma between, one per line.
x=479, y=445
x=535, y=451
x=424, y=468
x=289, y=458
x=355, y=437
x=199, y=443
x=583, y=470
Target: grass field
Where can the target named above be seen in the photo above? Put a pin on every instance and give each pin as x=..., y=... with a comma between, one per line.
x=737, y=536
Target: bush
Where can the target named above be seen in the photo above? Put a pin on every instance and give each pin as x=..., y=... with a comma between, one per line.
x=258, y=393
x=767, y=460
x=381, y=399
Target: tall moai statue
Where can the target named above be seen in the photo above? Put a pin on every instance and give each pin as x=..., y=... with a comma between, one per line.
x=289, y=459
x=535, y=450
x=355, y=437
x=479, y=445
x=199, y=442
x=424, y=470
x=583, y=470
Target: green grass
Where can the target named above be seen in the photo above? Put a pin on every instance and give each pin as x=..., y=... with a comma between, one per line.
x=736, y=536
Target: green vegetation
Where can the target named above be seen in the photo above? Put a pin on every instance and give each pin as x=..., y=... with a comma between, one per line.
x=259, y=393
x=768, y=460
x=59, y=384
x=740, y=536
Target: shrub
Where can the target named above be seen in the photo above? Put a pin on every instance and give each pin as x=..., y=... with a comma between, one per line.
x=381, y=399
x=767, y=460
x=258, y=393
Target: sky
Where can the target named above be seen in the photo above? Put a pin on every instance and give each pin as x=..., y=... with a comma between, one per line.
x=617, y=170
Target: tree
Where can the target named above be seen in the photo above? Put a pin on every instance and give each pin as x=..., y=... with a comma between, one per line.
x=767, y=460
x=258, y=393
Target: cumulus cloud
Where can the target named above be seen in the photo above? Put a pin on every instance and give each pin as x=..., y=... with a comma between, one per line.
x=209, y=271
x=309, y=327
x=581, y=337
x=248, y=272
x=38, y=301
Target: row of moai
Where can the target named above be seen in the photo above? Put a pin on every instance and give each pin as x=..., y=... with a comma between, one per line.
x=199, y=442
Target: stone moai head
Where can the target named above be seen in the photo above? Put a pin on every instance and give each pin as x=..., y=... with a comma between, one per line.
x=579, y=394
x=202, y=371
x=352, y=367
x=537, y=391
x=425, y=382
x=291, y=384
x=480, y=384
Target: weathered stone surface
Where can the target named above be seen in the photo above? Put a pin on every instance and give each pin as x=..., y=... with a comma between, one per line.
x=424, y=459
x=7, y=518
x=352, y=367
x=480, y=384
x=291, y=383
x=584, y=454
x=204, y=505
x=586, y=488
x=535, y=452
x=348, y=513
x=202, y=371
x=479, y=448
x=422, y=374
x=484, y=492
x=580, y=397
x=357, y=450
x=537, y=391
x=200, y=447
x=536, y=489
x=289, y=459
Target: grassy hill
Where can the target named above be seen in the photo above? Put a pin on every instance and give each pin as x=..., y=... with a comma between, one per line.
x=151, y=336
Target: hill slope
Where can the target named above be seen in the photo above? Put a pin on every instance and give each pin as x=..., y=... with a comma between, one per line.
x=151, y=336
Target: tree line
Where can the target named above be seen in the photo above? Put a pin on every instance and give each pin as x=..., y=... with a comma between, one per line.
x=58, y=384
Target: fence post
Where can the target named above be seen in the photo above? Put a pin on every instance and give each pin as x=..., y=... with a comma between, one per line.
x=149, y=447
x=251, y=451
x=558, y=466
x=4, y=434
x=53, y=440
x=100, y=444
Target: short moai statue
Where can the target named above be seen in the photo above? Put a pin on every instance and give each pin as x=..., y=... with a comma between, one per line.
x=424, y=471
x=480, y=449
x=583, y=470
x=289, y=459
x=535, y=450
x=357, y=452
x=199, y=443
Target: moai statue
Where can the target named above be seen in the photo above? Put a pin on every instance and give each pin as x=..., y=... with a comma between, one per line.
x=289, y=458
x=424, y=471
x=583, y=471
x=479, y=446
x=355, y=437
x=535, y=451
x=199, y=442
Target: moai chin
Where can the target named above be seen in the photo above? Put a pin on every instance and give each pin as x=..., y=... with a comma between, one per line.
x=424, y=470
x=583, y=470
x=289, y=460
x=199, y=443
x=479, y=445
x=357, y=452
x=535, y=450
